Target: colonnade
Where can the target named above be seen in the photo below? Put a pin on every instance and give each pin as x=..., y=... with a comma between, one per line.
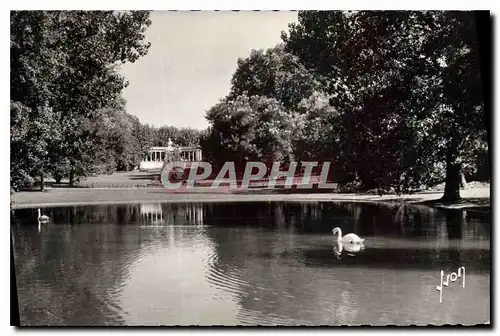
x=191, y=154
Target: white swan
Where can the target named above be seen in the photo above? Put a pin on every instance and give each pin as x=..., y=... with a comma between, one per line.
x=42, y=218
x=349, y=238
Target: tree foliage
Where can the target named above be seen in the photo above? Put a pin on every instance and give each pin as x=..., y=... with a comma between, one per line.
x=406, y=84
x=250, y=128
x=273, y=73
x=180, y=136
x=63, y=71
x=393, y=98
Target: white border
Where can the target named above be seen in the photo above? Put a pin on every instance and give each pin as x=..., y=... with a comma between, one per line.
x=183, y=5
x=255, y=5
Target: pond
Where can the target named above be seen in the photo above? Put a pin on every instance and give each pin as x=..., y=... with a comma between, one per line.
x=265, y=263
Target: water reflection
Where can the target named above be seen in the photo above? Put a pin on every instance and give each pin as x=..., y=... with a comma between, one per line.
x=349, y=249
x=122, y=214
x=249, y=263
x=166, y=214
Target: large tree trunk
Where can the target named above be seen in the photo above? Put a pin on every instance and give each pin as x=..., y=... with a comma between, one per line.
x=57, y=178
x=463, y=181
x=71, y=177
x=453, y=176
x=41, y=182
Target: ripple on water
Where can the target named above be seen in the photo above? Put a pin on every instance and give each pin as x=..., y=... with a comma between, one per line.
x=104, y=274
x=229, y=280
x=248, y=317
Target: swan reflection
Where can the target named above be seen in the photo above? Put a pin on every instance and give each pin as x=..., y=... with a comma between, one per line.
x=350, y=249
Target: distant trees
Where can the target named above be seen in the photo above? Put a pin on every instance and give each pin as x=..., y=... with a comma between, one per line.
x=180, y=136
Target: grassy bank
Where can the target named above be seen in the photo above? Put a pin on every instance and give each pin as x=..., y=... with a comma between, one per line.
x=472, y=198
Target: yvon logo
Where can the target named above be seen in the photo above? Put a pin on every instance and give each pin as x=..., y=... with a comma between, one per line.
x=450, y=277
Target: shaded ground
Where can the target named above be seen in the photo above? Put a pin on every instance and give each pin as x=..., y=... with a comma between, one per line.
x=139, y=179
x=132, y=179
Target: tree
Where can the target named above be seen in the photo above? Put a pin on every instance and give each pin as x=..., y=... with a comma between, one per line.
x=358, y=55
x=455, y=46
x=27, y=155
x=317, y=131
x=144, y=135
x=273, y=73
x=98, y=43
x=164, y=133
x=188, y=137
x=250, y=128
x=64, y=63
x=35, y=66
x=115, y=145
x=395, y=77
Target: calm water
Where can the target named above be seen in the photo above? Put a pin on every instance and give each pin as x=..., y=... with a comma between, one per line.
x=250, y=264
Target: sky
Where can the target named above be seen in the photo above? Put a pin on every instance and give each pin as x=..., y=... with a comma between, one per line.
x=192, y=58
